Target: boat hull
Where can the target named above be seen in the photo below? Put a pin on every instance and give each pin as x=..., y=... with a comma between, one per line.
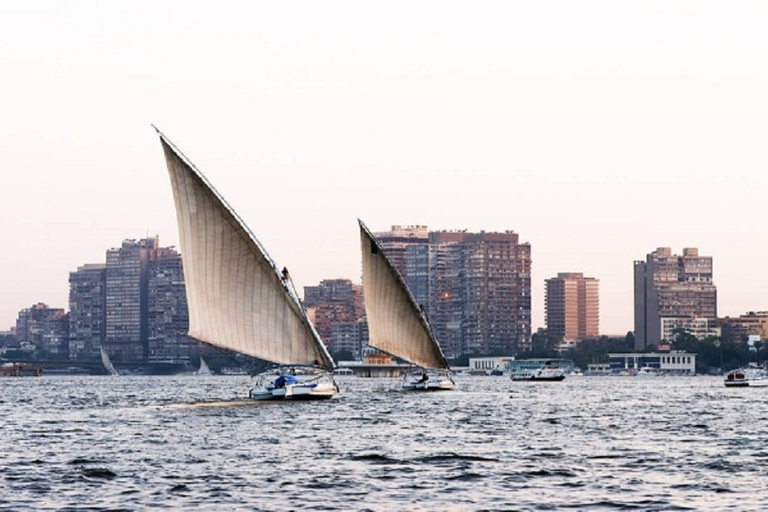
x=430, y=385
x=557, y=378
x=420, y=379
x=543, y=374
x=750, y=377
x=295, y=384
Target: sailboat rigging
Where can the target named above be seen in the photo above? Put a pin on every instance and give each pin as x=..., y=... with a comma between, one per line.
x=396, y=324
x=237, y=298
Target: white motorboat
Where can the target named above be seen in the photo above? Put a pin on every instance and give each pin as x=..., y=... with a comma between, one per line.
x=237, y=298
x=397, y=325
x=544, y=373
x=293, y=383
x=647, y=371
x=748, y=376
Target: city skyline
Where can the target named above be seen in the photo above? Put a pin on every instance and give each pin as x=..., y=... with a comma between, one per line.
x=596, y=131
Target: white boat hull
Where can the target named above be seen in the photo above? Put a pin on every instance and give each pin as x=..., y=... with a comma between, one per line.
x=316, y=385
x=750, y=377
x=436, y=380
x=430, y=385
x=543, y=374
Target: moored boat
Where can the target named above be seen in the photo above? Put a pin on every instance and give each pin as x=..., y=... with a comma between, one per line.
x=647, y=371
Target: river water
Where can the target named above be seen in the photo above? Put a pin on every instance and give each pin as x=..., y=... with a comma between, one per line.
x=195, y=443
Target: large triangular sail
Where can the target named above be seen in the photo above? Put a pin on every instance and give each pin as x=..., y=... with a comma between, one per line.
x=237, y=298
x=396, y=324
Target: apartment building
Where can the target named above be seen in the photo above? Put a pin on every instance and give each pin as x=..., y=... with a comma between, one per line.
x=673, y=292
x=87, y=311
x=572, y=307
x=479, y=292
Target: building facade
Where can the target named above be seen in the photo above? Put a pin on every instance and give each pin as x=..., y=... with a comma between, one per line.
x=479, y=292
x=572, y=307
x=45, y=328
x=167, y=314
x=669, y=286
x=396, y=242
x=333, y=301
x=87, y=311
x=739, y=329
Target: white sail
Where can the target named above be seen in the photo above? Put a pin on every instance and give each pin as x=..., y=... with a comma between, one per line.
x=396, y=324
x=203, y=370
x=237, y=298
x=107, y=362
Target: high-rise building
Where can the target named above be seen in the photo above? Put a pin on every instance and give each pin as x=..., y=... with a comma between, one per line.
x=333, y=301
x=479, y=292
x=739, y=329
x=46, y=328
x=167, y=314
x=396, y=242
x=126, y=325
x=87, y=311
x=349, y=337
x=673, y=292
x=572, y=307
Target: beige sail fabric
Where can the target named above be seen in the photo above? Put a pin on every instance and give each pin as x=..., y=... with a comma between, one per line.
x=395, y=324
x=236, y=297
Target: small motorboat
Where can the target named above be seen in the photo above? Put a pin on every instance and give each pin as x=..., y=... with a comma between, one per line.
x=748, y=376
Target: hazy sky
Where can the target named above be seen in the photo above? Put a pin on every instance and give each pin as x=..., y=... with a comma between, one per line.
x=598, y=131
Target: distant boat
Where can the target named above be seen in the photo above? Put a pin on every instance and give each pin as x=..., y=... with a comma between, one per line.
x=237, y=298
x=20, y=370
x=396, y=324
x=204, y=370
x=107, y=362
x=748, y=376
x=546, y=372
x=647, y=371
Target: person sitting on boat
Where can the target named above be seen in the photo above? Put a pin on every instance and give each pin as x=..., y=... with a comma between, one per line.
x=280, y=382
x=424, y=378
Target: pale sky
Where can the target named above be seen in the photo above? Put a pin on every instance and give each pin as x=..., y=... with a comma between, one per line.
x=598, y=131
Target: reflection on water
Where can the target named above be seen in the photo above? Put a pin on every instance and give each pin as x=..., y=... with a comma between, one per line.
x=196, y=442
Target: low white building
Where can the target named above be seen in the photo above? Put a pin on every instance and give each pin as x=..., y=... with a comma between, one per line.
x=674, y=362
x=488, y=364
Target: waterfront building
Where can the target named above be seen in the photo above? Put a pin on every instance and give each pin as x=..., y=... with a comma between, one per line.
x=754, y=323
x=488, y=364
x=127, y=273
x=479, y=292
x=349, y=337
x=669, y=286
x=45, y=328
x=572, y=307
x=333, y=301
x=167, y=314
x=87, y=311
x=674, y=362
x=396, y=242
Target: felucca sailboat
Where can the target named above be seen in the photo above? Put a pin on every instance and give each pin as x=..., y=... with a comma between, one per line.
x=396, y=324
x=237, y=298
